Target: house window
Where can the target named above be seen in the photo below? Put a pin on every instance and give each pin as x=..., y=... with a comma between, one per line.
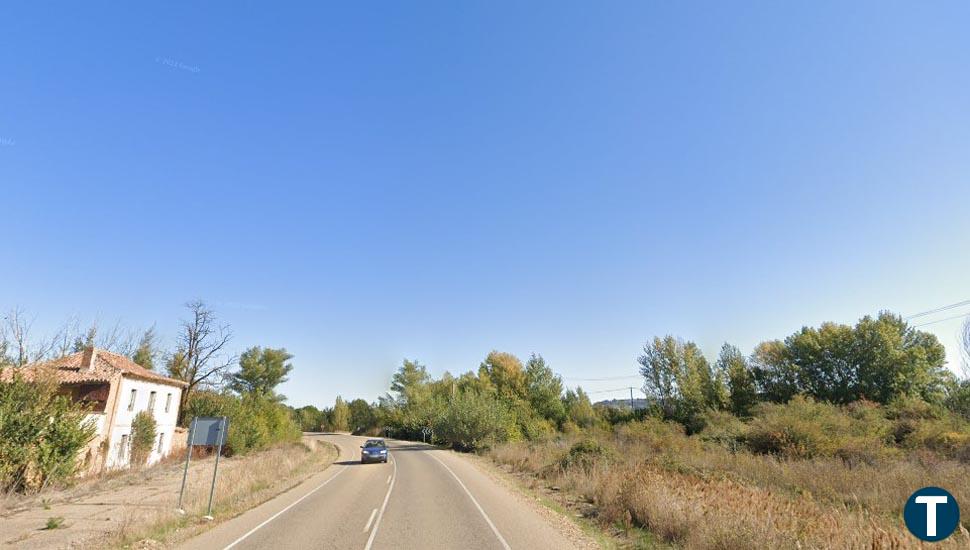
x=161, y=439
x=131, y=403
x=123, y=447
x=168, y=402
x=151, y=402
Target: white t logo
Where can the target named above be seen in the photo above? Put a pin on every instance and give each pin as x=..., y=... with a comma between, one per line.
x=931, y=503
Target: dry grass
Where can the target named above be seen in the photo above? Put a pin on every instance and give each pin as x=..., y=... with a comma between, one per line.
x=696, y=495
x=252, y=480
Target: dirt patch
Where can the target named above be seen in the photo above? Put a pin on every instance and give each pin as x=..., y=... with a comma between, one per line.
x=138, y=509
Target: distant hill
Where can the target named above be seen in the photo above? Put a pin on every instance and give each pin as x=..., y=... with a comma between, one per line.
x=622, y=403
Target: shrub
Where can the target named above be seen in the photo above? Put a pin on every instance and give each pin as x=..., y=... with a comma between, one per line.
x=959, y=400
x=804, y=428
x=724, y=429
x=255, y=422
x=657, y=436
x=584, y=455
x=475, y=421
x=537, y=429
x=920, y=425
x=142, y=437
x=41, y=434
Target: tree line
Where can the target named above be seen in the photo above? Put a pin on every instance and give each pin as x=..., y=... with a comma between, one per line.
x=881, y=360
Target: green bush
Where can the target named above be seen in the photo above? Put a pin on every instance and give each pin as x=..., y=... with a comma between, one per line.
x=584, y=455
x=142, y=437
x=724, y=429
x=474, y=421
x=41, y=435
x=804, y=428
x=959, y=400
x=255, y=422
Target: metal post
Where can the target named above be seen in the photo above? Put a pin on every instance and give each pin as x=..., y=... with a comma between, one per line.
x=188, y=457
x=212, y=490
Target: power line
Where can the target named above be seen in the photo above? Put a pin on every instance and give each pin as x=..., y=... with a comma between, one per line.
x=601, y=379
x=609, y=391
x=943, y=319
x=937, y=310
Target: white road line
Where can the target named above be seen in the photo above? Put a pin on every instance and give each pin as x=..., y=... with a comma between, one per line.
x=278, y=514
x=370, y=539
x=388, y=480
x=369, y=520
x=477, y=505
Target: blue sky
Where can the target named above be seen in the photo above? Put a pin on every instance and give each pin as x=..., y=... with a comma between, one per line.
x=361, y=184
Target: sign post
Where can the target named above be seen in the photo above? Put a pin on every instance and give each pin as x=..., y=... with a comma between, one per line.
x=426, y=431
x=210, y=431
x=185, y=472
x=221, y=430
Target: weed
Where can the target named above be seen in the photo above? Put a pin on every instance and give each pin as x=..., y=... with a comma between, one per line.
x=54, y=523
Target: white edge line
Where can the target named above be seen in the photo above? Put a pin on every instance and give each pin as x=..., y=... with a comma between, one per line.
x=475, y=502
x=388, y=480
x=278, y=514
x=380, y=515
x=370, y=519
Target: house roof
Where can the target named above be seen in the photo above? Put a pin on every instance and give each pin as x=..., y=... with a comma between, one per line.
x=90, y=366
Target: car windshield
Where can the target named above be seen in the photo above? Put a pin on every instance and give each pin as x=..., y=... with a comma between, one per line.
x=374, y=443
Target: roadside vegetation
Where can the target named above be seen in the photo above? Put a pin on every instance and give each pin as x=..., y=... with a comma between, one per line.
x=813, y=441
x=244, y=482
x=42, y=433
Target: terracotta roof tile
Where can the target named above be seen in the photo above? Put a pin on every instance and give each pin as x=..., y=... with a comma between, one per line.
x=77, y=368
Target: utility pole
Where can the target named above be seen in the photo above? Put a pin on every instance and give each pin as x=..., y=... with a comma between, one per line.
x=632, y=408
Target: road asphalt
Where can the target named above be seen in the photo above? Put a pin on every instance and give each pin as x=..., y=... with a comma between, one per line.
x=423, y=498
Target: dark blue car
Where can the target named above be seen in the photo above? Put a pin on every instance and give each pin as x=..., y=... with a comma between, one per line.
x=373, y=450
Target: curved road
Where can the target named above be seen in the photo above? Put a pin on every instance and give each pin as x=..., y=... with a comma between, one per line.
x=422, y=498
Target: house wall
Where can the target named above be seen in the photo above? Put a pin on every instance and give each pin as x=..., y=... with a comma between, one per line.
x=119, y=448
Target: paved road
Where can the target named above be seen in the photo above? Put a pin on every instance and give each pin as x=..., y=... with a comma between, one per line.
x=423, y=498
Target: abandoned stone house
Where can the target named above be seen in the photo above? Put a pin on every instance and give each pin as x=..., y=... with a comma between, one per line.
x=116, y=389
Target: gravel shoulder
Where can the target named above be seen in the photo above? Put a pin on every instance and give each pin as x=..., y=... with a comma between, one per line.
x=581, y=532
x=138, y=508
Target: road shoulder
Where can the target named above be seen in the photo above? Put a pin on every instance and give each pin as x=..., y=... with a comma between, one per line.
x=137, y=508
x=579, y=534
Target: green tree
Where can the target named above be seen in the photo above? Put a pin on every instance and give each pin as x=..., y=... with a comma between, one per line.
x=147, y=350
x=340, y=417
x=410, y=382
x=41, y=434
x=544, y=389
x=879, y=359
x=261, y=370
x=142, y=440
x=88, y=341
x=362, y=417
x=308, y=418
x=505, y=374
x=474, y=421
x=776, y=376
x=255, y=422
x=679, y=378
x=579, y=409
x=742, y=392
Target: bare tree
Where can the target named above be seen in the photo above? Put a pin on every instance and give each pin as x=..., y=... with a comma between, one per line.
x=118, y=340
x=200, y=359
x=16, y=337
x=62, y=343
